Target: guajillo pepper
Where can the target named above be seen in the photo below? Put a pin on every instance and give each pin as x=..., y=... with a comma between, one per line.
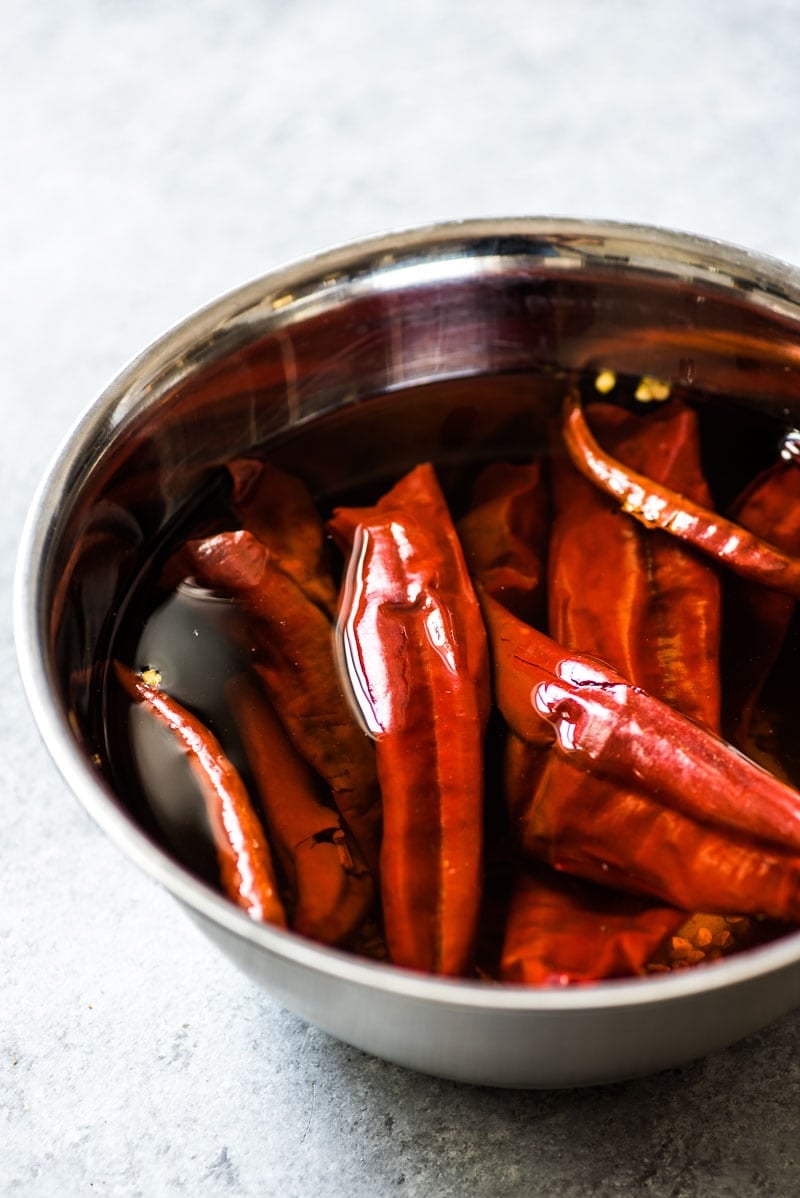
x=504, y=536
x=637, y=598
x=414, y=648
x=563, y=930
x=657, y=506
x=277, y=508
x=330, y=884
x=294, y=658
x=556, y=930
x=637, y=796
x=245, y=862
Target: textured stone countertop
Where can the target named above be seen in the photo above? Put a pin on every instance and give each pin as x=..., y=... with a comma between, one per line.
x=153, y=156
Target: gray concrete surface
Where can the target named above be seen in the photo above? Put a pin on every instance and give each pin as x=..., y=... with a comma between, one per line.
x=153, y=155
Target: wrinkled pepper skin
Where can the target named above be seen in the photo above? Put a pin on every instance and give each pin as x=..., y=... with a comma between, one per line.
x=657, y=506
x=759, y=617
x=562, y=930
x=637, y=598
x=245, y=861
x=295, y=660
x=637, y=796
x=331, y=886
x=414, y=648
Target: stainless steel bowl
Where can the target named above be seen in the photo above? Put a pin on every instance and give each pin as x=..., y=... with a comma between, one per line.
x=333, y=335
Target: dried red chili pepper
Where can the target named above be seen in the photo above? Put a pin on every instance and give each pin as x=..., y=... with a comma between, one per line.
x=760, y=618
x=637, y=796
x=637, y=598
x=662, y=629
x=245, y=861
x=554, y=929
x=415, y=651
x=561, y=930
x=658, y=506
x=294, y=657
x=504, y=535
x=331, y=886
x=278, y=509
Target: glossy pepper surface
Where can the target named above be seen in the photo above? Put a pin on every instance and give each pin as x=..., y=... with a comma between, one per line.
x=331, y=887
x=245, y=861
x=658, y=506
x=634, y=795
x=638, y=598
x=558, y=930
x=292, y=638
x=414, y=648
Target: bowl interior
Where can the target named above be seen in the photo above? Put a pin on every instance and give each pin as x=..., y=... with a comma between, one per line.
x=450, y=345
